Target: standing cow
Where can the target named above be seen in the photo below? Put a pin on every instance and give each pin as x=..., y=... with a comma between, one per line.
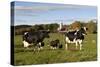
x=76, y=37
x=35, y=38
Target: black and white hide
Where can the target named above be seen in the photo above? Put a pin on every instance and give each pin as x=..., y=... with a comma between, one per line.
x=55, y=44
x=76, y=37
x=36, y=38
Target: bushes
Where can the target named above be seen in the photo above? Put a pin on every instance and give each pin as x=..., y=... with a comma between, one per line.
x=19, y=30
x=91, y=25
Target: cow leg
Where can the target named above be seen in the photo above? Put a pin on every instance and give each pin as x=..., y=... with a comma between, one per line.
x=52, y=47
x=39, y=46
x=80, y=42
x=26, y=44
x=35, y=46
x=67, y=41
x=39, y=49
x=76, y=44
x=80, y=46
x=55, y=47
x=66, y=46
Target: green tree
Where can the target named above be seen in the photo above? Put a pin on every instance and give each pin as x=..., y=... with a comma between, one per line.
x=92, y=27
x=53, y=27
x=76, y=25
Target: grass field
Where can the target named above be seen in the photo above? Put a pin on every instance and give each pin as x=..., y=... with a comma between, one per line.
x=24, y=56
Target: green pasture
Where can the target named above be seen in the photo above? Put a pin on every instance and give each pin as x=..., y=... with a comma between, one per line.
x=23, y=56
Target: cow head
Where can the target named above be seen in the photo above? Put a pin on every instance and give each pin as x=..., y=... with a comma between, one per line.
x=46, y=33
x=83, y=30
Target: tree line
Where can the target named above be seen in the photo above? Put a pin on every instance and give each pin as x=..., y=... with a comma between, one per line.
x=91, y=25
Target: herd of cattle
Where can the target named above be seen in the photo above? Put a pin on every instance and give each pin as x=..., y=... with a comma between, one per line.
x=37, y=38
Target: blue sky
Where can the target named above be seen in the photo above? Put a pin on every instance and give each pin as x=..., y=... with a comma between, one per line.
x=43, y=13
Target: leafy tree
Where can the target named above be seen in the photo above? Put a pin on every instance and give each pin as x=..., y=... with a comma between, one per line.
x=38, y=27
x=92, y=26
x=53, y=27
x=76, y=25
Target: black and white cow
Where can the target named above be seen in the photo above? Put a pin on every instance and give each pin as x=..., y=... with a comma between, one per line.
x=76, y=37
x=55, y=44
x=35, y=38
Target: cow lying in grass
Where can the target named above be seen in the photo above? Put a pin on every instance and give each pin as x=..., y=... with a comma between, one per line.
x=55, y=44
x=76, y=37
